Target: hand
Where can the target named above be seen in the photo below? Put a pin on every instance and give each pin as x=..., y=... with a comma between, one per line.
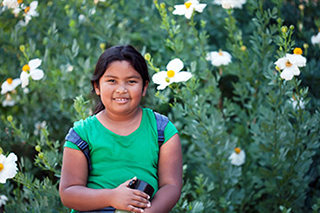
x=128, y=199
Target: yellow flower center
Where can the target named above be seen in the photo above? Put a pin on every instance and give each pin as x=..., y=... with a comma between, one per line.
x=20, y=1
x=9, y=80
x=188, y=4
x=297, y=51
x=26, y=68
x=319, y=30
x=27, y=9
x=220, y=52
x=237, y=150
x=170, y=73
x=288, y=64
x=1, y=167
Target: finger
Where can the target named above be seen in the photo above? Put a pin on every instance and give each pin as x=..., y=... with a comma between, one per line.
x=128, y=181
x=141, y=194
x=134, y=209
x=141, y=204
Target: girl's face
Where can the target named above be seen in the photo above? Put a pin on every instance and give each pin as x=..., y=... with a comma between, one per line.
x=121, y=88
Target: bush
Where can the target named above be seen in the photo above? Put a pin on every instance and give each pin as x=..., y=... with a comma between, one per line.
x=242, y=107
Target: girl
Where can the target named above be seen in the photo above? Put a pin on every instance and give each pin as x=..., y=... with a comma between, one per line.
x=122, y=138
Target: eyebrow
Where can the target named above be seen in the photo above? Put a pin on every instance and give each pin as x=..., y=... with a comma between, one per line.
x=112, y=76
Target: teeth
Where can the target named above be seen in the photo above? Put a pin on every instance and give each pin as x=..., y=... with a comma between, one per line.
x=121, y=99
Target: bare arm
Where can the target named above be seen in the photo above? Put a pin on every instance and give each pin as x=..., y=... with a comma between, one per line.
x=170, y=177
x=74, y=193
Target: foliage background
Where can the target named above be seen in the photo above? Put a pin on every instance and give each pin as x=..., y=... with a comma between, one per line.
x=248, y=106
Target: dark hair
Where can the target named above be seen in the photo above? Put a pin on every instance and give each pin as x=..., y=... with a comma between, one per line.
x=118, y=53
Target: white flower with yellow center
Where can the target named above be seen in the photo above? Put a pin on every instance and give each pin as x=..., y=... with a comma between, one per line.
x=173, y=74
x=11, y=4
x=188, y=8
x=10, y=85
x=8, y=167
x=290, y=64
x=230, y=4
x=219, y=58
x=315, y=39
x=3, y=200
x=30, y=11
x=30, y=70
x=237, y=157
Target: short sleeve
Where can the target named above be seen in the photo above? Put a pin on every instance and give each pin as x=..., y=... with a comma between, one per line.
x=71, y=145
x=169, y=131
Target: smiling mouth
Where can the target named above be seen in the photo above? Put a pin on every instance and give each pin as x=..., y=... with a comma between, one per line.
x=121, y=100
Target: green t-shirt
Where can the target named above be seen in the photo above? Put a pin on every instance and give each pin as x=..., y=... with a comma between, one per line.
x=115, y=158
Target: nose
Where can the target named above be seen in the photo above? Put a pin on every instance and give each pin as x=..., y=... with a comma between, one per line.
x=121, y=90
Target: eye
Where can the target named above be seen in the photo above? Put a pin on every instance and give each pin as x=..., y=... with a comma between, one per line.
x=132, y=81
x=111, y=80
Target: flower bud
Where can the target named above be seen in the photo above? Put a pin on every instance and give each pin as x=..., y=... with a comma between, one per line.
x=147, y=56
x=38, y=148
x=284, y=29
x=163, y=5
x=102, y=46
x=1, y=151
x=291, y=27
x=243, y=48
x=41, y=155
x=305, y=46
x=10, y=118
x=22, y=48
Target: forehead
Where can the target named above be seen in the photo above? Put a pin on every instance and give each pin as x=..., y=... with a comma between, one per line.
x=121, y=68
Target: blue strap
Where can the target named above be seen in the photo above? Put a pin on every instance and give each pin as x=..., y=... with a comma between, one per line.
x=73, y=137
x=162, y=122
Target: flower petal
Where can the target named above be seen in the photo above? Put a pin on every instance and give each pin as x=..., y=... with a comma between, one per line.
x=181, y=76
x=24, y=77
x=175, y=65
x=36, y=74
x=281, y=63
x=160, y=77
x=287, y=74
x=34, y=63
x=199, y=8
x=179, y=10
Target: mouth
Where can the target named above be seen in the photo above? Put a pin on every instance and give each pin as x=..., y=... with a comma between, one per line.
x=121, y=100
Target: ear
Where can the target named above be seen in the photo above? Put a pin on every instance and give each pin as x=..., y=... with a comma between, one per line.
x=96, y=88
x=144, y=91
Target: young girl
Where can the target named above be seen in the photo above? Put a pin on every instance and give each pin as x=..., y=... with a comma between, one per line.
x=123, y=143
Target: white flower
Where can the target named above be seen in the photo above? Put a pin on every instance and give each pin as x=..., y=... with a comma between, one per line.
x=188, y=7
x=97, y=1
x=11, y=4
x=290, y=64
x=38, y=126
x=8, y=167
x=30, y=70
x=219, y=58
x=3, y=200
x=30, y=11
x=315, y=39
x=228, y=4
x=9, y=85
x=69, y=68
x=237, y=157
x=8, y=101
x=294, y=102
x=173, y=74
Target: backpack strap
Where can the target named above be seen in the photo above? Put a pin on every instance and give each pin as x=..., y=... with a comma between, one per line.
x=162, y=122
x=73, y=137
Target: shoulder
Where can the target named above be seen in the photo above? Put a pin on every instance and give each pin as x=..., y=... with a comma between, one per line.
x=83, y=127
x=169, y=128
